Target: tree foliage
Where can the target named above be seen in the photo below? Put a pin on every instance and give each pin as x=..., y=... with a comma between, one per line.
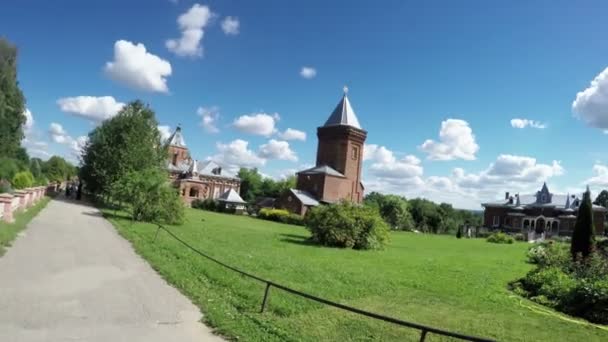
x=393, y=209
x=57, y=169
x=583, y=239
x=254, y=185
x=12, y=103
x=127, y=142
x=22, y=180
x=602, y=199
x=347, y=225
x=149, y=196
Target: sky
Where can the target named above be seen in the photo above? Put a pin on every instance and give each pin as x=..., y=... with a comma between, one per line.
x=462, y=101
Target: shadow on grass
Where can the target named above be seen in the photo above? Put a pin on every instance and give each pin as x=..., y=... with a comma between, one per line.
x=298, y=240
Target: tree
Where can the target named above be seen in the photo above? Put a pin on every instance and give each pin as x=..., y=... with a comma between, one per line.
x=602, y=199
x=9, y=167
x=251, y=184
x=127, y=142
x=12, y=102
x=149, y=196
x=57, y=169
x=22, y=180
x=583, y=240
x=36, y=168
x=459, y=232
x=393, y=209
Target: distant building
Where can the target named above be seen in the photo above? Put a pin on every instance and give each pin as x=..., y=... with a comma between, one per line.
x=337, y=173
x=196, y=179
x=543, y=212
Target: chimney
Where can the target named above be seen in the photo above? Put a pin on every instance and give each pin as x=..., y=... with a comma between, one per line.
x=507, y=195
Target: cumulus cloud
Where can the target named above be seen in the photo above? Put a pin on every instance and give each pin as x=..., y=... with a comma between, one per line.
x=257, y=123
x=600, y=178
x=165, y=132
x=591, y=104
x=137, y=68
x=386, y=165
x=293, y=134
x=59, y=134
x=231, y=25
x=456, y=141
x=209, y=118
x=29, y=120
x=95, y=108
x=191, y=25
x=236, y=154
x=276, y=149
x=308, y=72
x=77, y=145
x=523, y=123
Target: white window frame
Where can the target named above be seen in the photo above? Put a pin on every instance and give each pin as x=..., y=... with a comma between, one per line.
x=495, y=221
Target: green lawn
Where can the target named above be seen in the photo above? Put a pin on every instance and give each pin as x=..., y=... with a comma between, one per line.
x=8, y=232
x=459, y=285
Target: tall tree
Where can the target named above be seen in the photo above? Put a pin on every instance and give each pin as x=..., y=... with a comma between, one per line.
x=12, y=102
x=57, y=169
x=251, y=183
x=602, y=199
x=583, y=239
x=127, y=142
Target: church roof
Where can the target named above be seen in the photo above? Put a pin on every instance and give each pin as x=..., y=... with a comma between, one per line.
x=325, y=169
x=305, y=197
x=177, y=139
x=231, y=196
x=343, y=114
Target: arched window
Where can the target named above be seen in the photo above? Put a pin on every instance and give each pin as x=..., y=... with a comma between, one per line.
x=193, y=192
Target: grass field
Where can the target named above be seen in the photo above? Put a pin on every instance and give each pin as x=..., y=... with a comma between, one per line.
x=458, y=285
x=9, y=231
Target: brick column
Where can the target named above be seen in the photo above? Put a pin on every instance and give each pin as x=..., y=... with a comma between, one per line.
x=6, y=201
x=29, y=199
x=22, y=195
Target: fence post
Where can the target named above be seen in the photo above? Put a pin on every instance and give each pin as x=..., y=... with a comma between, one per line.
x=265, y=297
x=156, y=235
x=423, y=335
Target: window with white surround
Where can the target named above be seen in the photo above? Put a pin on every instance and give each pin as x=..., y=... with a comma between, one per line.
x=496, y=221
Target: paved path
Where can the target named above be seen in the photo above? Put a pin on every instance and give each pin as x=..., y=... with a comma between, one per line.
x=71, y=277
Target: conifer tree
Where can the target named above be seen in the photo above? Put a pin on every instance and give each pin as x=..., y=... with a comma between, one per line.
x=583, y=240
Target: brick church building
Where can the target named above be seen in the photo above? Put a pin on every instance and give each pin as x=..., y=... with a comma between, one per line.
x=542, y=212
x=197, y=179
x=337, y=173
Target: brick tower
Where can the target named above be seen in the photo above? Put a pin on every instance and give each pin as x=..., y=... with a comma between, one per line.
x=177, y=150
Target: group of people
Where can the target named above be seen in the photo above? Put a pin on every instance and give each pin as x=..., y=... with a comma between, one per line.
x=73, y=190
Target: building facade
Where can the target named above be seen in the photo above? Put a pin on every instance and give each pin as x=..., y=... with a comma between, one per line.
x=541, y=213
x=337, y=173
x=196, y=179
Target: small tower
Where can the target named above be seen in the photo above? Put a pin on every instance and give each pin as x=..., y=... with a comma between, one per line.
x=176, y=148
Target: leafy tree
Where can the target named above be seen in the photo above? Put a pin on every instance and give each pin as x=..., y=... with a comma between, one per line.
x=602, y=199
x=459, y=232
x=251, y=184
x=583, y=240
x=9, y=167
x=149, y=196
x=35, y=167
x=12, y=103
x=57, y=169
x=393, y=209
x=128, y=141
x=22, y=180
x=347, y=225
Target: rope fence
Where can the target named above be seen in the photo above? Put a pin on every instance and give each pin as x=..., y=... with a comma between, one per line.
x=424, y=329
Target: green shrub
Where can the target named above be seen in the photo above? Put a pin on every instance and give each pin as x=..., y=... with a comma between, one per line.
x=280, y=215
x=500, y=238
x=589, y=299
x=347, y=225
x=206, y=204
x=5, y=187
x=519, y=237
x=459, y=232
x=22, y=180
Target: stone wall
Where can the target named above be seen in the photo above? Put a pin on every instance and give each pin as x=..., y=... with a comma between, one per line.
x=20, y=200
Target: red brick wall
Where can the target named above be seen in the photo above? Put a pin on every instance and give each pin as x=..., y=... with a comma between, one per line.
x=290, y=202
x=177, y=154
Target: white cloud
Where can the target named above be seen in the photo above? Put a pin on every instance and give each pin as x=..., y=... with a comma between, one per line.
x=523, y=123
x=209, y=118
x=165, y=132
x=600, y=179
x=191, y=25
x=386, y=165
x=293, y=134
x=276, y=149
x=236, y=154
x=90, y=107
x=231, y=25
x=591, y=104
x=456, y=141
x=78, y=145
x=257, y=123
x=29, y=120
x=59, y=134
x=308, y=72
x=137, y=68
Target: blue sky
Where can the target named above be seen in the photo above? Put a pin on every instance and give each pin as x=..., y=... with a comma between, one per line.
x=412, y=68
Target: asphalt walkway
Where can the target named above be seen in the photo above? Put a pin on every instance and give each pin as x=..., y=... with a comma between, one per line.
x=71, y=277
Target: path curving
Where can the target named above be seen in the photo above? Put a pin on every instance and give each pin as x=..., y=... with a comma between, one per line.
x=71, y=277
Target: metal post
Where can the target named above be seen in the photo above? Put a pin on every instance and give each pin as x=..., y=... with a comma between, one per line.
x=156, y=235
x=265, y=297
x=423, y=335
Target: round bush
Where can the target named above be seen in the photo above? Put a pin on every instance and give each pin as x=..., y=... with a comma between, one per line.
x=348, y=226
x=500, y=238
